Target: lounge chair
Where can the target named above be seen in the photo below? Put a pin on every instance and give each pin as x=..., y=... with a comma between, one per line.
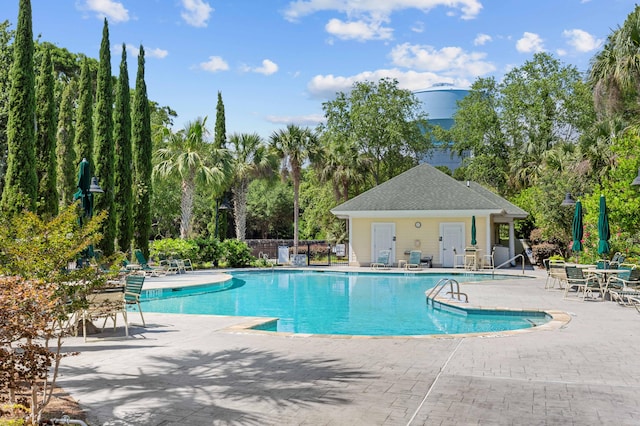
x=414, y=260
x=625, y=285
x=146, y=268
x=576, y=279
x=616, y=260
x=383, y=260
x=132, y=290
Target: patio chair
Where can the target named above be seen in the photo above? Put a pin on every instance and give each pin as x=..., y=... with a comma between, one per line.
x=458, y=259
x=414, y=260
x=382, y=261
x=556, y=273
x=106, y=304
x=624, y=286
x=488, y=260
x=471, y=258
x=576, y=279
x=132, y=290
x=616, y=260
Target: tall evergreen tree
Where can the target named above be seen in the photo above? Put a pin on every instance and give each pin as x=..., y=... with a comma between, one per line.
x=220, y=131
x=219, y=221
x=46, y=139
x=65, y=153
x=104, y=149
x=142, y=151
x=21, y=180
x=84, y=128
x=6, y=59
x=123, y=190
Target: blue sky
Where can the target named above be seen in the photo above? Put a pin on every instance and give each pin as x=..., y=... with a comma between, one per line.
x=276, y=61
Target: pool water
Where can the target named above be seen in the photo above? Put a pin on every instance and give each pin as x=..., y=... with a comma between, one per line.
x=367, y=304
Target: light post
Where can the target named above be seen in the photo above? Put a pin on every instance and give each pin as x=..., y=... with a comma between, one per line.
x=219, y=206
x=87, y=186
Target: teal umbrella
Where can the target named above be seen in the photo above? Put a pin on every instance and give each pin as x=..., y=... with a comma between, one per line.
x=577, y=228
x=603, y=228
x=473, y=231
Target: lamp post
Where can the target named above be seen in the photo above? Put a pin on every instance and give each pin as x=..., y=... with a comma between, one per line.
x=636, y=181
x=220, y=205
x=568, y=201
x=87, y=186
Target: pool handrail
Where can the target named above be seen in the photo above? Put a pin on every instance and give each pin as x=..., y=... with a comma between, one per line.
x=509, y=261
x=441, y=284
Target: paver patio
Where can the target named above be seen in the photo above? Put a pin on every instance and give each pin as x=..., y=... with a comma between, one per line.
x=195, y=370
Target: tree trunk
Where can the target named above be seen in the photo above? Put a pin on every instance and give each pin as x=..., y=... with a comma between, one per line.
x=186, y=208
x=240, y=208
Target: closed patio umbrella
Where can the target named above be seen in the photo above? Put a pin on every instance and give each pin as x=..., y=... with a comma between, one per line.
x=86, y=197
x=603, y=228
x=473, y=231
x=577, y=228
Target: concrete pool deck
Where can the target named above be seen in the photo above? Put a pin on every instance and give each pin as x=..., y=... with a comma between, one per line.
x=199, y=370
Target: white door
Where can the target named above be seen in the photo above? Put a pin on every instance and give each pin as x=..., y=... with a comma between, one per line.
x=452, y=237
x=383, y=237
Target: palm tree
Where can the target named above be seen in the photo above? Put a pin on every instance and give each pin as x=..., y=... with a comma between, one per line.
x=615, y=71
x=251, y=159
x=341, y=164
x=293, y=146
x=188, y=155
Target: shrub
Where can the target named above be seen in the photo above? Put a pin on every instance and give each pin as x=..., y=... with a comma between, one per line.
x=174, y=248
x=237, y=254
x=209, y=250
x=544, y=251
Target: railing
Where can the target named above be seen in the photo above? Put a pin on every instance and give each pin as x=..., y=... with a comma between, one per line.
x=509, y=261
x=453, y=292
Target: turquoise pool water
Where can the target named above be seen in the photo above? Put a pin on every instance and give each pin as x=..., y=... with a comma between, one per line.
x=367, y=304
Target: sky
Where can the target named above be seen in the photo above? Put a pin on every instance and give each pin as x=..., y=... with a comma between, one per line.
x=276, y=61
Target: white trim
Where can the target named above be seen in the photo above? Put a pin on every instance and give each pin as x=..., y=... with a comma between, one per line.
x=394, y=214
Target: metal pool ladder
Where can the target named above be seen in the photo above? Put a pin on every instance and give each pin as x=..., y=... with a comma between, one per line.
x=454, y=290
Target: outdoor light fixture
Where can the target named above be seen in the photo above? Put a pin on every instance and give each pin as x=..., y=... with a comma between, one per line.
x=94, y=187
x=568, y=201
x=636, y=181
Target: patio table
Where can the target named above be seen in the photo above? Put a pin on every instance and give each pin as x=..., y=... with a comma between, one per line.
x=603, y=277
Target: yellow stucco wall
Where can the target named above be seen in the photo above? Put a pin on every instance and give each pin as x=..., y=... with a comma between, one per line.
x=408, y=237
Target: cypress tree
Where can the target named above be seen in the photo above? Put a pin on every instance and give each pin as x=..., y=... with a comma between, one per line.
x=46, y=139
x=123, y=189
x=220, y=141
x=66, y=155
x=6, y=59
x=104, y=149
x=21, y=181
x=84, y=129
x=142, y=150
x=220, y=132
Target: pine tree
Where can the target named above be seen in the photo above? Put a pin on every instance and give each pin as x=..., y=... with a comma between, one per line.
x=104, y=149
x=142, y=151
x=123, y=189
x=46, y=139
x=84, y=129
x=21, y=180
x=66, y=155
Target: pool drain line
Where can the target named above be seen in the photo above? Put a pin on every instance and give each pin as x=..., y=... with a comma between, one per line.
x=444, y=366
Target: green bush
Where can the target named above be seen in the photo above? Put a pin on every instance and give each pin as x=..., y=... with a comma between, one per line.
x=209, y=250
x=173, y=248
x=237, y=254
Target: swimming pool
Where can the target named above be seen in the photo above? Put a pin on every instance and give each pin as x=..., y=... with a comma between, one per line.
x=368, y=304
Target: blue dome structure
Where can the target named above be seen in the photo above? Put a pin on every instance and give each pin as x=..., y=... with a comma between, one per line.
x=440, y=103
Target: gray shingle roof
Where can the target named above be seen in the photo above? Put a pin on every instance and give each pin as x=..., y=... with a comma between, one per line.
x=426, y=188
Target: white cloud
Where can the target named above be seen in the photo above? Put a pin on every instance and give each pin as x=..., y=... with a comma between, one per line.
x=581, y=40
x=148, y=53
x=196, y=12
x=112, y=10
x=380, y=9
x=530, y=42
x=482, y=39
x=450, y=60
x=561, y=52
x=326, y=86
x=358, y=30
x=268, y=67
x=300, y=120
x=418, y=27
x=214, y=64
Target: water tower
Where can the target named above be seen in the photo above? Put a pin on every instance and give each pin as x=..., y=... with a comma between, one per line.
x=440, y=103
